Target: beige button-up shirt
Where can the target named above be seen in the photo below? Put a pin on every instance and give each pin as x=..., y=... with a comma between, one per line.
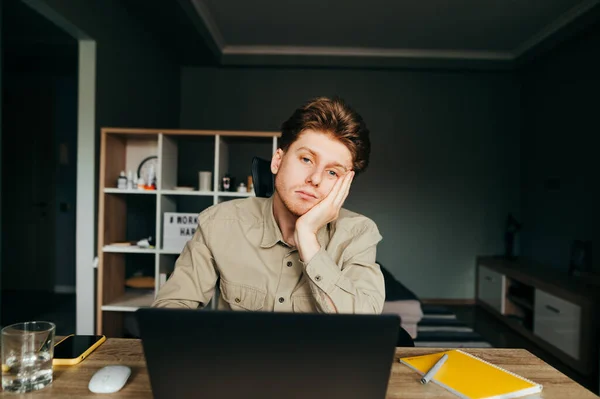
x=239, y=244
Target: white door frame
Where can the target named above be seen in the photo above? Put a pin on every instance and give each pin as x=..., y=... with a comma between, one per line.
x=86, y=161
x=86, y=189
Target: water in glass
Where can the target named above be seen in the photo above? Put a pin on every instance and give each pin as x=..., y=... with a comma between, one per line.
x=27, y=372
x=27, y=350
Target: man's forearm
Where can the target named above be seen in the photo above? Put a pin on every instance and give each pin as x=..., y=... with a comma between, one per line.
x=307, y=244
x=359, y=289
x=175, y=304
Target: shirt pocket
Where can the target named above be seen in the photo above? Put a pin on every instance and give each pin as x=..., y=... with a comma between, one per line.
x=303, y=304
x=242, y=297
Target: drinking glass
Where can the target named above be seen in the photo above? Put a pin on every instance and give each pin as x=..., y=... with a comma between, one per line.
x=27, y=353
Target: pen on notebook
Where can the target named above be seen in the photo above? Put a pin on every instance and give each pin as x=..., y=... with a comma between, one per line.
x=429, y=375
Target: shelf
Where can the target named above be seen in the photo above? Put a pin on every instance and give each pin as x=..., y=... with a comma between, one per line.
x=118, y=249
x=193, y=192
x=181, y=192
x=170, y=251
x=520, y=302
x=234, y=194
x=120, y=191
x=131, y=301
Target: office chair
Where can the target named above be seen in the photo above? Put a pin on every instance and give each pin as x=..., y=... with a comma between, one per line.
x=262, y=178
x=263, y=181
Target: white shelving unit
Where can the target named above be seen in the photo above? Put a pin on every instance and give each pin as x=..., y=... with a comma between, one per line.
x=180, y=155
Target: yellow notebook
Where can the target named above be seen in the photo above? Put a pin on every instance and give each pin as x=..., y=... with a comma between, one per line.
x=469, y=377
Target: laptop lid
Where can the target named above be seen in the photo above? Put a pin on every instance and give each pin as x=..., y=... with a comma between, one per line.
x=227, y=354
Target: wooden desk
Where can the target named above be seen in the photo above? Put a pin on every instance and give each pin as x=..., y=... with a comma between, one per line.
x=71, y=381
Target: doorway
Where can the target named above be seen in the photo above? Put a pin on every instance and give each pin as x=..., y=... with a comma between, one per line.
x=39, y=169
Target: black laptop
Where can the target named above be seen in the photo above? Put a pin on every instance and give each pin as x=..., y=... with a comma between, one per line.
x=226, y=354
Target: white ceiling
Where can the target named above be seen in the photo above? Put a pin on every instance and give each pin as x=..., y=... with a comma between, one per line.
x=374, y=33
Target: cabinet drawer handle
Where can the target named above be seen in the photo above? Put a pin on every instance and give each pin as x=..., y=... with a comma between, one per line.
x=552, y=308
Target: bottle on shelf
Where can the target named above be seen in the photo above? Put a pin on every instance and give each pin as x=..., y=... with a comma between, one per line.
x=226, y=183
x=151, y=183
x=129, y=180
x=122, y=181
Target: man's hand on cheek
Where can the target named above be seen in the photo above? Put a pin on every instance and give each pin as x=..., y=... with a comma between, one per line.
x=324, y=212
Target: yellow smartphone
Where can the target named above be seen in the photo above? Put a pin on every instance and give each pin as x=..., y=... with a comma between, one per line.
x=74, y=348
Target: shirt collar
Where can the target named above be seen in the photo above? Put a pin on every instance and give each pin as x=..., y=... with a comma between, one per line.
x=272, y=233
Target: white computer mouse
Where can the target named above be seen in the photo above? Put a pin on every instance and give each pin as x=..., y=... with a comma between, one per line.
x=109, y=379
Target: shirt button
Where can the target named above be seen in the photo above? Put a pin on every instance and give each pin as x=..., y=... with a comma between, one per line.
x=289, y=264
x=237, y=300
x=281, y=299
x=318, y=278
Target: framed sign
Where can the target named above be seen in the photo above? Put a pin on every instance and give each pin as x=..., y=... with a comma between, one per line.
x=178, y=229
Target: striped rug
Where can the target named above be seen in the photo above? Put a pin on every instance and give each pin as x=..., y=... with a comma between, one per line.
x=440, y=328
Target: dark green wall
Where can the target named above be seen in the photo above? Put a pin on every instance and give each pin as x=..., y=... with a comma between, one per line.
x=137, y=83
x=445, y=161
x=559, y=149
x=0, y=156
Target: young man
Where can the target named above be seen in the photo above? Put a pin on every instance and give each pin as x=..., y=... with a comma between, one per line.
x=297, y=251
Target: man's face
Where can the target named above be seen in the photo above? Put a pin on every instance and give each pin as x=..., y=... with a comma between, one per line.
x=307, y=171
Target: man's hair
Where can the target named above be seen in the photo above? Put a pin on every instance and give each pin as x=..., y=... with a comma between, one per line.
x=330, y=116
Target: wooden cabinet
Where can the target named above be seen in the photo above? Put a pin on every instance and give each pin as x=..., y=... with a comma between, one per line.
x=128, y=215
x=557, y=312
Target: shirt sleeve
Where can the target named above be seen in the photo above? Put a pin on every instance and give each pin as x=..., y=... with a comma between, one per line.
x=192, y=283
x=355, y=286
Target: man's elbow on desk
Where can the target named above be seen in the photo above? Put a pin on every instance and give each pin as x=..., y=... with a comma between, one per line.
x=174, y=304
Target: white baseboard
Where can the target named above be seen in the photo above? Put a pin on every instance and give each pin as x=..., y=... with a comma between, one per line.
x=64, y=289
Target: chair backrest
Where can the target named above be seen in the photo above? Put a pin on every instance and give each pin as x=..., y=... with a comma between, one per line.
x=404, y=339
x=262, y=177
